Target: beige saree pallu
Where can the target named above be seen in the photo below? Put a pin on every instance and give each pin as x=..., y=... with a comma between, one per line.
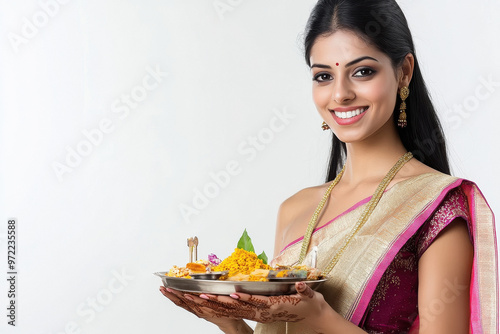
x=402, y=210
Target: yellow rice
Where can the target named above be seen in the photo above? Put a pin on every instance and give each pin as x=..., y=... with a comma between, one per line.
x=241, y=262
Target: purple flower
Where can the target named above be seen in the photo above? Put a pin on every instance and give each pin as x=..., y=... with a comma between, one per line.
x=213, y=259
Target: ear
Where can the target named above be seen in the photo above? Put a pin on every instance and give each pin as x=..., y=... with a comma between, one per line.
x=406, y=70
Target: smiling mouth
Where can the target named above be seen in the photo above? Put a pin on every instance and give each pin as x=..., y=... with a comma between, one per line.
x=350, y=114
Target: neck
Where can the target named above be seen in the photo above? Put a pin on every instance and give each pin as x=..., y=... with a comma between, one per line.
x=371, y=159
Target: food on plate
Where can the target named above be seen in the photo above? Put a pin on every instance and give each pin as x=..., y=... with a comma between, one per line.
x=179, y=272
x=243, y=265
x=195, y=267
x=241, y=262
x=297, y=271
x=200, y=266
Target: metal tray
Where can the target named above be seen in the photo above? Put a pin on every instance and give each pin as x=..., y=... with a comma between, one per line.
x=217, y=287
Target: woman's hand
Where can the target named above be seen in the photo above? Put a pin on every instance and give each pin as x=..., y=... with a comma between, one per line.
x=306, y=305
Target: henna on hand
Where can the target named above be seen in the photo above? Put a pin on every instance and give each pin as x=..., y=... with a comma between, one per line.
x=274, y=308
x=177, y=301
x=275, y=300
x=304, y=290
x=206, y=309
x=289, y=308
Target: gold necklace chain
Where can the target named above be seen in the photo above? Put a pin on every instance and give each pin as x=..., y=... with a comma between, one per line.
x=364, y=216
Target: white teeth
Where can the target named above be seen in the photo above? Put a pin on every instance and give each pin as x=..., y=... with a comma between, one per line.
x=349, y=114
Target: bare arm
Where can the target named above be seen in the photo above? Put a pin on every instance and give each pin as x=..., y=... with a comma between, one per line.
x=444, y=280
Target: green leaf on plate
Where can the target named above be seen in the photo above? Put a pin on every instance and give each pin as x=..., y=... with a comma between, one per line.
x=263, y=257
x=245, y=242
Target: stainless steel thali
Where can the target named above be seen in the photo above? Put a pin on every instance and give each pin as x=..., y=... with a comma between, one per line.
x=228, y=287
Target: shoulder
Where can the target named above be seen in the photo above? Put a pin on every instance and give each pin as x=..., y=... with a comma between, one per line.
x=414, y=168
x=417, y=172
x=303, y=200
x=294, y=211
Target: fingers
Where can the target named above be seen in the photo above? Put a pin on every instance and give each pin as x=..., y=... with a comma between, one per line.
x=176, y=300
x=304, y=290
x=207, y=296
x=172, y=294
x=250, y=299
x=169, y=294
x=266, y=302
x=176, y=297
x=205, y=306
x=203, y=299
x=213, y=301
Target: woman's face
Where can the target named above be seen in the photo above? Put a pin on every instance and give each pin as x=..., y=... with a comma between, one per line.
x=354, y=86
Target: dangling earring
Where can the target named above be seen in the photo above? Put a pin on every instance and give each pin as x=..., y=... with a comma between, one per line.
x=403, y=93
x=325, y=126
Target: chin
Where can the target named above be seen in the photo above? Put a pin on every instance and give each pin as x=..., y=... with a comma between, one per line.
x=352, y=136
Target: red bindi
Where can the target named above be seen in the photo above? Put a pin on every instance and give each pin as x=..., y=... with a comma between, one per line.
x=337, y=64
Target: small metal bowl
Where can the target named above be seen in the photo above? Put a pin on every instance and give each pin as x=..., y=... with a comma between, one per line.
x=214, y=275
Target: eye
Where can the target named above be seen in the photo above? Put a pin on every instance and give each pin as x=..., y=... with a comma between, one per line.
x=364, y=72
x=322, y=77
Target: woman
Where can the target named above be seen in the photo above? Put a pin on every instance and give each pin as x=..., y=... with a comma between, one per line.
x=409, y=248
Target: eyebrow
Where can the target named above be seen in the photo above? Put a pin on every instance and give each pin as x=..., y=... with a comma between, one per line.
x=347, y=65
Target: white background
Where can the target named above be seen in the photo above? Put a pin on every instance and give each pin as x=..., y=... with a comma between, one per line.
x=117, y=212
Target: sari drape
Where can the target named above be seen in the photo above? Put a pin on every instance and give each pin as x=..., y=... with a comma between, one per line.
x=402, y=210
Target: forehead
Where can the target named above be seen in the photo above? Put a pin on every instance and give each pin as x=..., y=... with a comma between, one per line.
x=342, y=45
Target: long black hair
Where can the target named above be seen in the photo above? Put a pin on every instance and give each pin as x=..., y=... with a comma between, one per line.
x=382, y=24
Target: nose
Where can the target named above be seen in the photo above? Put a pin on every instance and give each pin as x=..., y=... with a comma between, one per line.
x=342, y=91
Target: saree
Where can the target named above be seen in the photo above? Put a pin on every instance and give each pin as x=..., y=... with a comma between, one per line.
x=400, y=215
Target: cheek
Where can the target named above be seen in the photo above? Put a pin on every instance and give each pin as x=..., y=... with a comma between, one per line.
x=381, y=93
x=321, y=97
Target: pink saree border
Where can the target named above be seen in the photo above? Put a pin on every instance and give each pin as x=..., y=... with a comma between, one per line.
x=476, y=323
x=365, y=297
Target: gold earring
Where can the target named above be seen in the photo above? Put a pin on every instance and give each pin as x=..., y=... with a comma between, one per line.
x=404, y=92
x=325, y=126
